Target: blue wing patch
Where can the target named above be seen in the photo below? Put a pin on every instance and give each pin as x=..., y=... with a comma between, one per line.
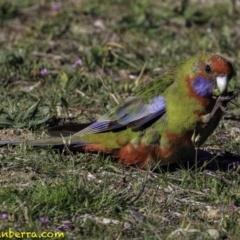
x=133, y=113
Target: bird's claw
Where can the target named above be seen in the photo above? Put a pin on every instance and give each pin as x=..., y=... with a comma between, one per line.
x=219, y=104
x=195, y=138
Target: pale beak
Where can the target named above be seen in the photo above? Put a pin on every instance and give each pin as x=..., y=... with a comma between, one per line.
x=222, y=83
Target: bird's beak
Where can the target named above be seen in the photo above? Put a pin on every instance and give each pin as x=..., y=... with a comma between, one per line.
x=222, y=84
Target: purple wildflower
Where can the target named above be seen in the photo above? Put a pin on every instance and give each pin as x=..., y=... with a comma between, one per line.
x=3, y=216
x=43, y=71
x=56, y=6
x=235, y=165
x=77, y=63
x=232, y=207
x=44, y=220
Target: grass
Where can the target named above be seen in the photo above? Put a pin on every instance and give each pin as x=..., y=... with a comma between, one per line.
x=96, y=53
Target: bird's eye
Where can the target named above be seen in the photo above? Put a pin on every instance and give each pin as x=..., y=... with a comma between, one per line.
x=208, y=69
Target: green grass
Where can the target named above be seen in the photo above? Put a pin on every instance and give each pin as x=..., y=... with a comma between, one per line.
x=122, y=44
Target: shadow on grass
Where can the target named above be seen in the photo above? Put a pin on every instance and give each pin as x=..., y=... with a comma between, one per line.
x=208, y=161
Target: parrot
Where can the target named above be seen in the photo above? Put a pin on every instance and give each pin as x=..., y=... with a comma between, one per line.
x=164, y=122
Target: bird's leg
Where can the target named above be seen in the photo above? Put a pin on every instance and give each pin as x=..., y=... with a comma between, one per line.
x=195, y=140
x=220, y=103
x=208, y=117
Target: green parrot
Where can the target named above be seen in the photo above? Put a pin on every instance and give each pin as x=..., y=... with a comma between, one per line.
x=164, y=122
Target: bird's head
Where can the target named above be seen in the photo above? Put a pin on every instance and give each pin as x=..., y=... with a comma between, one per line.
x=210, y=75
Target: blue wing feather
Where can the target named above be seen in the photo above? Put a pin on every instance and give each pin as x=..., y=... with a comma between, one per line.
x=134, y=113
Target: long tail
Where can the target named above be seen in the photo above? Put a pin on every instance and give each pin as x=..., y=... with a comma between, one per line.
x=73, y=143
x=62, y=137
x=9, y=142
x=65, y=136
x=59, y=142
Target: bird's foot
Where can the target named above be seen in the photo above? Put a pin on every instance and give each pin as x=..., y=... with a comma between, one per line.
x=221, y=101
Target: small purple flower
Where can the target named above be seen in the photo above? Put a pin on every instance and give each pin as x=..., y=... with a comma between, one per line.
x=3, y=216
x=43, y=71
x=232, y=207
x=56, y=6
x=235, y=165
x=44, y=220
x=77, y=63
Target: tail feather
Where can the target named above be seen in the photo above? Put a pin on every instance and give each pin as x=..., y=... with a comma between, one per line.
x=9, y=142
x=54, y=142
